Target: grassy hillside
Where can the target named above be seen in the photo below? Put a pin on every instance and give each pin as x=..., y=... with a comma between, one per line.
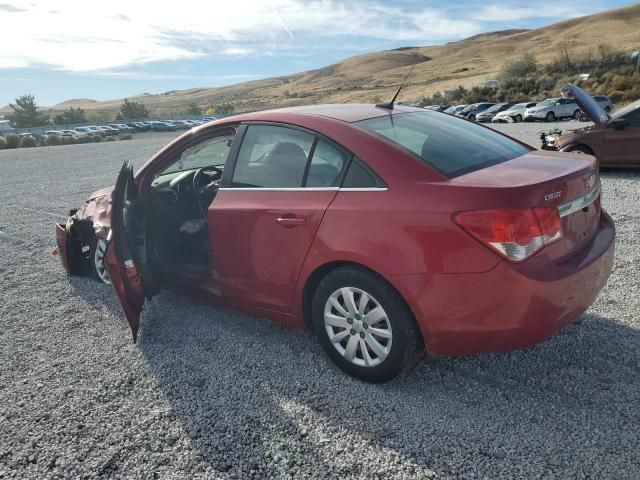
x=374, y=76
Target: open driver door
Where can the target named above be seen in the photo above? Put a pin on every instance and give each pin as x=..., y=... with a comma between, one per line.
x=127, y=258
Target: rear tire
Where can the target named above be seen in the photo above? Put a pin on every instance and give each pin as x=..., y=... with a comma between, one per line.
x=472, y=118
x=551, y=117
x=364, y=325
x=517, y=118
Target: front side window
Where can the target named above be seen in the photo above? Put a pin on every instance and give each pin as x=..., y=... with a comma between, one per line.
x=272, y=157
x=210, y=152
x=448, y=144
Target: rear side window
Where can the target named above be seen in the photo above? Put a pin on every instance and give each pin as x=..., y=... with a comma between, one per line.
x=359, y=176
x=326, y=165
x=450, y=145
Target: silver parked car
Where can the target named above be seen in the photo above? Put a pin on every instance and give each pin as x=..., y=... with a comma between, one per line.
x=553, y=109
x=515, y=113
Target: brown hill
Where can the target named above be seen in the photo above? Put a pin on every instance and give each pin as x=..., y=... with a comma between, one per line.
x=376, y=75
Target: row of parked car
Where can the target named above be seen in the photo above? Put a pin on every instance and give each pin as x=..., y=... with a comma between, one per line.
x=548, y=110
x=130, y=127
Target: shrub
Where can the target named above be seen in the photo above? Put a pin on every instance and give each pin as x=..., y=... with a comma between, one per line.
x=28, y=142
x=12, y=141
x=86, y=139
x=52, y=140
x=97, y=138
x=42, y=142
x=109, y=139
x=66, y=140
x=3, y=143
x=126, y=136
x=521, y=67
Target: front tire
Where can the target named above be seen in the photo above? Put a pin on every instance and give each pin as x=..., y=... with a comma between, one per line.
x=517, y=118
x=550, y=117
x=364, y=325
x=581, y=149
x=97, y=268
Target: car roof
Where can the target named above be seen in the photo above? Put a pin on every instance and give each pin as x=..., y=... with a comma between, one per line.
x=345, y=112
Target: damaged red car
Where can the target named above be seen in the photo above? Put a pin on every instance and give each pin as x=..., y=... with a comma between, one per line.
x=386, y=231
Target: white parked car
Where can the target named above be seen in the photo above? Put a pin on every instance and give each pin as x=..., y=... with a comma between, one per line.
x=58, y=133
x=84, y=131
x=515, y=113
x=553, y=109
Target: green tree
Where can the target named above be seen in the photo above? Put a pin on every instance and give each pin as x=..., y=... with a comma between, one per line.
x=193, y=109
x=132, y=110
x=73, y=115
x=26, y=114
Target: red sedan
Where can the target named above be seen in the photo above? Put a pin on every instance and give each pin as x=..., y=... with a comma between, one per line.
x=384, y=231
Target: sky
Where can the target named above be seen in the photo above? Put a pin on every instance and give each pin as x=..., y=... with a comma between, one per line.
x=63, y=49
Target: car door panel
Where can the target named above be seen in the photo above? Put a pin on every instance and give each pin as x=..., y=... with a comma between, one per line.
x=126, y=259
x=622, y=147
x=262, y=237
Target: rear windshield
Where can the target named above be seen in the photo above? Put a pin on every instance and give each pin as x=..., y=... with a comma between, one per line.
x=450, y=145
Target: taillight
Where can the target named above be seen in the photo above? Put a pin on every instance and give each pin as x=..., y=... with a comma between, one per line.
x=515, y=233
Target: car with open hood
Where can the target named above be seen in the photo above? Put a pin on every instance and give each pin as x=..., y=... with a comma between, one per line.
x=613, y=139
x=386, y=230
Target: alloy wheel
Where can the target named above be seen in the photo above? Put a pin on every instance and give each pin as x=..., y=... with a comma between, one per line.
x=98, y=261
x=358, y=327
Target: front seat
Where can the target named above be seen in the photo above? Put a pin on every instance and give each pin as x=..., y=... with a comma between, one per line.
x=286, y=163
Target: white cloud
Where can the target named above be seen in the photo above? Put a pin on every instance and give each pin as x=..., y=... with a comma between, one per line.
x=82, y=36
x=500, y=13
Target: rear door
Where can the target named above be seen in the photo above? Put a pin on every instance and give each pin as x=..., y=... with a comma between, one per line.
x=264, y=218
x=127, y=260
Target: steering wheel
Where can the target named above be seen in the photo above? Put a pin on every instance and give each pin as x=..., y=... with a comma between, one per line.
x=205, y=183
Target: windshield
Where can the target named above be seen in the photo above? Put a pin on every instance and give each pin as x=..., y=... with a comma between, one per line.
x=548, y=102
x=624, y=110
x=495, y=108
x=448, y=144
x=517, y=106
x=468, y=108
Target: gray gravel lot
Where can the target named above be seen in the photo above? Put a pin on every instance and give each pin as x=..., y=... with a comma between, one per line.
x=210, y=393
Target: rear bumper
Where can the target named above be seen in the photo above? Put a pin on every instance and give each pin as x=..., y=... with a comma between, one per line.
x=511, y=306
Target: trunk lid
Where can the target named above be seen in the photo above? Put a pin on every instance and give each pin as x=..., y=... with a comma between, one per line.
x=568, y=182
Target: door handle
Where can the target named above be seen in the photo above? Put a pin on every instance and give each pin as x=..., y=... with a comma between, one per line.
x=291, y=221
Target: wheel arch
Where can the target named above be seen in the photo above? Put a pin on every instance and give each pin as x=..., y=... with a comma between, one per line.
x=573, y=145
x=314, y=278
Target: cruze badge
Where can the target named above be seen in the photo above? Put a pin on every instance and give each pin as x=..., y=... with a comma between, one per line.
x=551, y=196
x=591, y=181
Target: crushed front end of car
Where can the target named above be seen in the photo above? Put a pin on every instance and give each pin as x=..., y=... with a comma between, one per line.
x=550, y=140
x=82, y=239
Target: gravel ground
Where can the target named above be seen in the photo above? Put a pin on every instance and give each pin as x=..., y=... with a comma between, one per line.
x=210, y=393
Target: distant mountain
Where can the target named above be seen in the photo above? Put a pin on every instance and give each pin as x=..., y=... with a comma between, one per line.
x=376, y=75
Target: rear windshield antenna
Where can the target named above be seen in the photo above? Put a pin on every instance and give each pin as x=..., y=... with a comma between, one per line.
x=389, y=105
